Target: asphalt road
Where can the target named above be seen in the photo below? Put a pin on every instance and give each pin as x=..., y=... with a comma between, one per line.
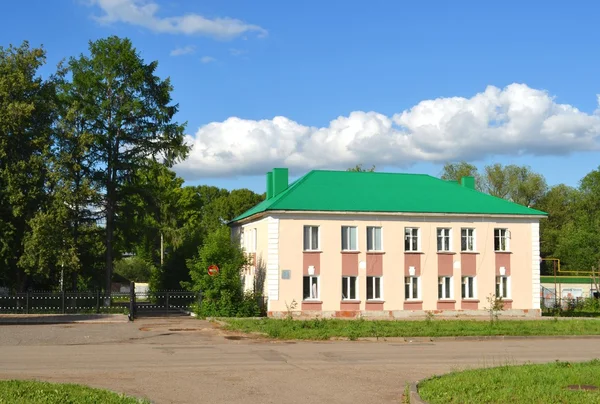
x=184, y=360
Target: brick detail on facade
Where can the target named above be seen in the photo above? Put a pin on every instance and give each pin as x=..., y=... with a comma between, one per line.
x=349, y=264
x=468, y=264
x=412, y=260
x=445, y=264
x=502, y=260
x=446, y=304
x=311, y=258
x=374, y=264
x=469, y=304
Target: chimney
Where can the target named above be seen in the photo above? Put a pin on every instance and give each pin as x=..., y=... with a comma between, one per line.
x=269, y=185
x=280, y=180
x=468, y=182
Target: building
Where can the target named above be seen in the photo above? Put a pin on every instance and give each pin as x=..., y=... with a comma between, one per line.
x=340, y=244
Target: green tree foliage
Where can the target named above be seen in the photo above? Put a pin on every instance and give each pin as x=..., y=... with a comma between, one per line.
x=359, y=168
x=126, y=109
x=222, y=295
x=27, y=112
x=135, y=269
x=455, y=171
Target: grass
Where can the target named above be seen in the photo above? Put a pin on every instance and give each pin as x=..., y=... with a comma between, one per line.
x=516, y=384
x=25, y=391
x=323, y=329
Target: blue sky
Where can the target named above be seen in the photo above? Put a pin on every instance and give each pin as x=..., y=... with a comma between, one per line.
x=407, y=84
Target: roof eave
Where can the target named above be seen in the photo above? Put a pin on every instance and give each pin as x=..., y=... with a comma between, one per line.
x=427, y=214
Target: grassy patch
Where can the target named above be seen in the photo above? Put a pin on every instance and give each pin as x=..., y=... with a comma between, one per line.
x=516, y=384
x=25, y=391
x=322, y=329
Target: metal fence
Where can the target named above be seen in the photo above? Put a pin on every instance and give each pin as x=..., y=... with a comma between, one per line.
x=551, y=303
x=47, y=302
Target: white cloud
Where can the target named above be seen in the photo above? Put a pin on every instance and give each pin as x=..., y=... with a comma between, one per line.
x=514, y=120
x=186, y=50
x=207, y=59
x=143, y=13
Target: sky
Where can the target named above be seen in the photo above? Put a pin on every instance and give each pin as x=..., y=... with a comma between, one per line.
x=404, y=85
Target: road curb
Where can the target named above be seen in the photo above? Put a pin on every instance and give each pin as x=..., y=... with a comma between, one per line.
x=464, y=338
x=414, y=396
x=20, y=319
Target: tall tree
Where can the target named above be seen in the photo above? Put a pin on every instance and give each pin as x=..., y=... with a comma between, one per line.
x=26, y=116
x=126, y=109
x=455, y=171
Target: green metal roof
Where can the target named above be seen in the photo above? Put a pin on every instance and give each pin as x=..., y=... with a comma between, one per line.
x=350, y=191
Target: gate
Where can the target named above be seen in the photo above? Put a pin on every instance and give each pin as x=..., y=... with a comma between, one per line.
x=158, y=303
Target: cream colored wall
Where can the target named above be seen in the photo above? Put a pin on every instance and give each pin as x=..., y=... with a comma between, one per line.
x=261, y=248
x=291, y=255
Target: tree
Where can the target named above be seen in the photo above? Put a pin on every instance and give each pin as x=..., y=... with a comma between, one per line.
x=359, y=168
x=560, y=202
x=222, y=295
x=516, y=183
x=126, y=109
x=455, y=171
x=27, y=113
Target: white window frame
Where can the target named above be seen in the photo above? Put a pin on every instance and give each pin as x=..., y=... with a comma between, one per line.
x=503, y=234
x=446, y=239
x=410, y=280
x=464, y=235
x=318, y=283
x=372, y=228
x=464, y=282
x=349, y=238
x=443, y=280
x=310, y=235
x=348, y=288
x=372, y=279
x=502, y=282
x=415, y=241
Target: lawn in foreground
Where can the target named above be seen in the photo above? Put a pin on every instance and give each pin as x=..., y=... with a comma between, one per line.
x=322, y=329
x=516, y=384
x=34, y=392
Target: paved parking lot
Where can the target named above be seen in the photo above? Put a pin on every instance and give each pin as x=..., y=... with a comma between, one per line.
x=184, y=360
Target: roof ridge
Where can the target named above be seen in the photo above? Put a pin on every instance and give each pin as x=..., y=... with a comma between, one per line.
x=506, y=201
x=291, y=188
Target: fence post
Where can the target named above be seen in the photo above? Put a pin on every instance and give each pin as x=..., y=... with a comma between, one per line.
x=27, y=302
x=131, y=301
x=167, y=302
x=199, y=301
x=63, y=301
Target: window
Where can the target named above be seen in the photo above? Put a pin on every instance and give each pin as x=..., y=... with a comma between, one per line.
x=468, y=287
x=411, y=239
x=467, y=240
x=502, y=286
x=349, y=237
x=411, y=287
x=374, y=288
x=311, y=238
x=311, y=288
x=501, y=239
x=445, y=287
x=349, y=288
x=374, y=239
x=250, y=240
x=443, y=239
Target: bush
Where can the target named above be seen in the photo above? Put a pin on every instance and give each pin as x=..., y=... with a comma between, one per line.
x=222, y=294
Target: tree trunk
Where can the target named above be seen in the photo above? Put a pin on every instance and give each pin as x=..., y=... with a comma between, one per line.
x=109, y=238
